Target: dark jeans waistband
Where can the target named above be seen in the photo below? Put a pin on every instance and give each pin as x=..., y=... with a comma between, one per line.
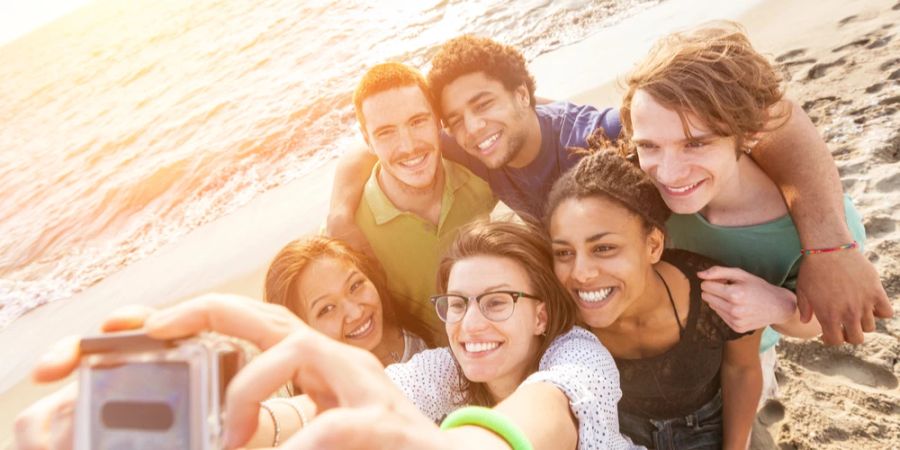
x=643, y=430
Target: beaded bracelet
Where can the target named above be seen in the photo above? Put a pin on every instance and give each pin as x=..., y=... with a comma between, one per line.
x=490, y=420
x=268, y=409
x=815, y=251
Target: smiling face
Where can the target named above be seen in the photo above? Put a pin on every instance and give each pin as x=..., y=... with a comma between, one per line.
x=603, y=255
x=690, y=172
x=487, y=120
x=495, y=353
x=402, y=131
x=338, y=300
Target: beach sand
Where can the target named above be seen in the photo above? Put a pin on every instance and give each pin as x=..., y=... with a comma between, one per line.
x=842, y=62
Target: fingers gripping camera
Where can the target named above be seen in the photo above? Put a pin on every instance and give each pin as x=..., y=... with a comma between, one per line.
x=142, y=393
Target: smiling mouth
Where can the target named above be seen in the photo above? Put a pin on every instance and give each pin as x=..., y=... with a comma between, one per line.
x=480, y=347
x=414, y=162
x=486, y=144
x=682, y=190
x=362, y=330
x=594, y=298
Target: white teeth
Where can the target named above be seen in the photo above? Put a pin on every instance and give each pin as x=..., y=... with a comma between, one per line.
x=594, y=296
x=478, y=347
x=683, y=189
x=488, y=142
x=362, y=329
x=414, y=161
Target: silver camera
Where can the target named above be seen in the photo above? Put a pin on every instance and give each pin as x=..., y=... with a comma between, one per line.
x=142, y=393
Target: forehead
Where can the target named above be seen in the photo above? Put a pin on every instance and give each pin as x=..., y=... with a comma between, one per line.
x=577, y=219
x=394, y=106
x=475, y=274
x=322, y=276
x=653, y=121
x=464, y=88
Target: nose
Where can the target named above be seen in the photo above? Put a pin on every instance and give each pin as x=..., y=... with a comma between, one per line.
x=584, y=271
x=670, y=168
x=407, y=142
x=474, y=123
x=473, y=320
x=352, y=311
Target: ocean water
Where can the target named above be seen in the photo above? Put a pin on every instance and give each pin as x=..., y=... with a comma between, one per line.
x=125, y=125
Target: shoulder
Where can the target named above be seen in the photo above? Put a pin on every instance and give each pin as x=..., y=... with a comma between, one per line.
x=689, y=263
x=576, y=356
x=576, y=122
x=424, y=371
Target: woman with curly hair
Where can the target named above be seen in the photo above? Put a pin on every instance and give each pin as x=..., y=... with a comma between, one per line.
x=688, y=380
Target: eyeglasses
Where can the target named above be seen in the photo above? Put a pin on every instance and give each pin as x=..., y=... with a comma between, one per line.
x=495, y=306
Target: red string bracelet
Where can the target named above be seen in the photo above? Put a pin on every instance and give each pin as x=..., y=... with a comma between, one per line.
x=814, y=251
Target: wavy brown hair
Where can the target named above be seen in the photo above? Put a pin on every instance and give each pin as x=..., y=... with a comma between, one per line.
x=284, y=271
x=713, y=73
x=470, y=54
x=525, y=244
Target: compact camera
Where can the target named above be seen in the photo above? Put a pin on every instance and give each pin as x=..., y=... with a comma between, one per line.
x=137, y=392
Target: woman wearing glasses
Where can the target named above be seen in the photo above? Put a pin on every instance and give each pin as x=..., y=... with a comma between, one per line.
x=511, y=324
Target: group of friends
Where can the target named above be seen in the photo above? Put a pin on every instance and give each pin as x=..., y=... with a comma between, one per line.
x=659, y=251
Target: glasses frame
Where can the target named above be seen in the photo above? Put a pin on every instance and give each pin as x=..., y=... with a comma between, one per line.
x=516, y=295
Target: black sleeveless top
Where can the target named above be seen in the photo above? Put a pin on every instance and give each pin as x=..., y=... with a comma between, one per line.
x=686, y=376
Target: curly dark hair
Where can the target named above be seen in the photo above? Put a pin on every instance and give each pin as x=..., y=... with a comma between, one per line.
x=468, y=54
x=606, y=172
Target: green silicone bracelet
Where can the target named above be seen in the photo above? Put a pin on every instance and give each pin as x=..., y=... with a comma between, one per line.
x=491, y=420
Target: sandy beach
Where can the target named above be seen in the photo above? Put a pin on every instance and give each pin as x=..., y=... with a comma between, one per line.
x=841, y=61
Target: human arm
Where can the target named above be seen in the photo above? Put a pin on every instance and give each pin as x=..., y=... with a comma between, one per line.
x=335, y=375
x=841, y=288
x=747, y=302
x=584, y=374
x=350, y=175
x=741, y=378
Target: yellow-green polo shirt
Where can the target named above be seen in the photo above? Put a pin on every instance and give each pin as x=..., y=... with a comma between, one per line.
x=409, y=247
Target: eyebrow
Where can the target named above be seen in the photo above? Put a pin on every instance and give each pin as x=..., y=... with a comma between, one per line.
x=487, y=289
x=591, y=238
x=696, y=137
x=312, y=305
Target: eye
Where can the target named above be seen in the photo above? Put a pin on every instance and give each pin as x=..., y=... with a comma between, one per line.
x=384, y=134
x=603, y=248
x=645, y=146
x=356, y=285
x=324, y=311
x=419, y=121
x=695, y=144
x=561, y=254
x=484, y=105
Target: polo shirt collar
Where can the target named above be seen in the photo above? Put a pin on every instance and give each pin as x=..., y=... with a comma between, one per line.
x=384, y=210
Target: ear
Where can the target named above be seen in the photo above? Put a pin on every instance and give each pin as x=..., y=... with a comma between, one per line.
x=362, y=131
x=656, y=243
x=522, y=96
x=540, y=319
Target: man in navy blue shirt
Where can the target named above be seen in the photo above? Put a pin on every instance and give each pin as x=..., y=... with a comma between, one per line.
x=494, y=127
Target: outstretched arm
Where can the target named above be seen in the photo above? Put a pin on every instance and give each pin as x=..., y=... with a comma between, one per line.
x=841, y=288
x=353, y=169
